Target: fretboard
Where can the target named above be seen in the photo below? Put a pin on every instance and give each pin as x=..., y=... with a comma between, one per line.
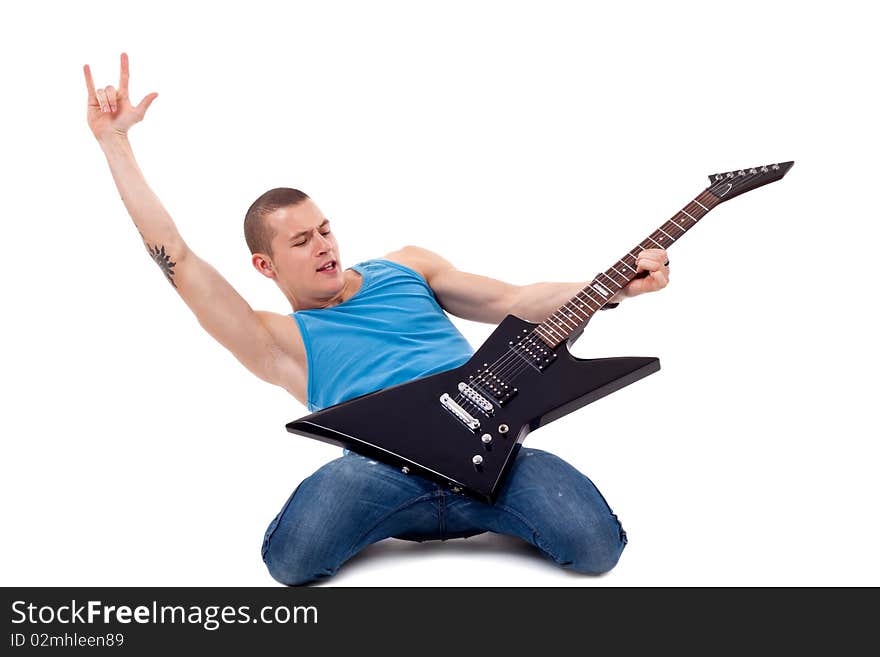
x=573, y=315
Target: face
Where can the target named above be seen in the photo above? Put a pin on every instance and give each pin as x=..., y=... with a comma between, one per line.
x=303, y=242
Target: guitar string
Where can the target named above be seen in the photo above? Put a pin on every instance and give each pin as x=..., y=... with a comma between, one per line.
x=499, y=368
x=511, y=356
x=516, y=360
x=562, y=322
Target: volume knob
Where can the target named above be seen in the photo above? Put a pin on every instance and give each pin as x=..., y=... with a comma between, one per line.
x=477, y=460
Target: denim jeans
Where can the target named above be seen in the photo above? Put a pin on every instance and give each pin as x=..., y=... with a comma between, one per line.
x=353, y=501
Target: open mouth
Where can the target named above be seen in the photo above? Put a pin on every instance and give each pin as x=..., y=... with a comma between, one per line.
x=329, y=269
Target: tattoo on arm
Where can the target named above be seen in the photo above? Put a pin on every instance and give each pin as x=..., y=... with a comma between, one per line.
x=162, y=259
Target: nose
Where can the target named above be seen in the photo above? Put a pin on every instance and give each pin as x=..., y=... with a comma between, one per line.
x=323, y=243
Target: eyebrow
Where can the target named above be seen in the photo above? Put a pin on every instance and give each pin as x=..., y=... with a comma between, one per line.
x=306, y=232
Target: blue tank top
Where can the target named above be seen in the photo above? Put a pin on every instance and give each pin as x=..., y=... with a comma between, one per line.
x=391, y=331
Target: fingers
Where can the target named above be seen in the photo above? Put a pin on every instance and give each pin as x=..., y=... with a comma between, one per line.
x=90, y=85
x=107, y=98
x=661, y=278
x=111, y=96
x=123, y=74
x=654, y=262
x=651, y=259
x=144, y=105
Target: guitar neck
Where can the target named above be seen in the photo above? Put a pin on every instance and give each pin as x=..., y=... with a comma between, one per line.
x=570, y=318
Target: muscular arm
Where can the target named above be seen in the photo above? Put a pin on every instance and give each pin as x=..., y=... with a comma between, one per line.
x=483, y=299
x=220, y=310
x=536, y=302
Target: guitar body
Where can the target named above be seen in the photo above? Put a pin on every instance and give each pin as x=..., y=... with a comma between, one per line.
x=408, y=425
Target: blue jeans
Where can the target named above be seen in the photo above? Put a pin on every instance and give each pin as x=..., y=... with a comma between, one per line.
x=354, y=501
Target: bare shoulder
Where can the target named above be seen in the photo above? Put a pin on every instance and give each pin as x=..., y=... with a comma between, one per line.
x=424, y=261
x=292, y=362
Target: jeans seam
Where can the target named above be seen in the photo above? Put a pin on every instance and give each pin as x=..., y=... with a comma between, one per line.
x=408, y=503
x=539, y=540
x=268, y=538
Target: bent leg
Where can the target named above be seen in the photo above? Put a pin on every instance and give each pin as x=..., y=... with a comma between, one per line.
x=547, y=502
x=344, y=506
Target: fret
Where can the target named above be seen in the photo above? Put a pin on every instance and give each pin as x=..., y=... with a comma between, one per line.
x=574, y=321
x=558, y=327
x=598, y=287
x=598, y=302
x=619, y=286
x=553, y=340
x=542, y=333
x=554, y=329
x=571, y=314
x=561, y=319
x=622, y=275
x=574, y=313
x=586, y=301
x=579, y=302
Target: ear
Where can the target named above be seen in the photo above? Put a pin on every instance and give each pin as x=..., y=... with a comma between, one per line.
x=263, y=264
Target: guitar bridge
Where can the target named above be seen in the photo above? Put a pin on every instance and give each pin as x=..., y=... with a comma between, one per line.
x=466, y=418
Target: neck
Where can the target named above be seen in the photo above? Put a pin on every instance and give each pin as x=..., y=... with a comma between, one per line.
x=343, y=295
x=571, y=318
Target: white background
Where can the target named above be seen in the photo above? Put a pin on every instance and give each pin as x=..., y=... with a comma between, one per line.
x=523, y=141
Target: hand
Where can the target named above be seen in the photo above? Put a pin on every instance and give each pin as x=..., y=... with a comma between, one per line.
x=109, y=111
x=656, y=263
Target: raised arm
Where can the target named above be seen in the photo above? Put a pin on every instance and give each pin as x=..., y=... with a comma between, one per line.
x=220, y=310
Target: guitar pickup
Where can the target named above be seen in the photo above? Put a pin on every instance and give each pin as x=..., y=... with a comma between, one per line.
x=476, y=398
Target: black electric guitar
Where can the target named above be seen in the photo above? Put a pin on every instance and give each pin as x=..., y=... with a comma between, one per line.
x=463, y=427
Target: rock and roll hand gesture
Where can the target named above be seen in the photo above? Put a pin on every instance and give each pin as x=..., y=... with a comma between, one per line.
x=109, y=110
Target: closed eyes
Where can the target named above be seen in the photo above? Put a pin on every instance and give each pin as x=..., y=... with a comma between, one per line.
x=301, y=243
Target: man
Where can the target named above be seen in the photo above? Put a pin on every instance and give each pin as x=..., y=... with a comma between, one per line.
x=355, y=330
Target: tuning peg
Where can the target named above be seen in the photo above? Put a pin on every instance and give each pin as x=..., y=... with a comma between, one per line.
x=775, y=167
x=753, y=171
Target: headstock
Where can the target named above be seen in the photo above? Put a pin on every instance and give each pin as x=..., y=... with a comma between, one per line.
x=733, y=183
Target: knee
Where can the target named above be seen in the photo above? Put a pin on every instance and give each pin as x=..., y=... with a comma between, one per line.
x=292, y=559
x=311, y=537
x=577, y=528
x=291, y=543
x=594, y=551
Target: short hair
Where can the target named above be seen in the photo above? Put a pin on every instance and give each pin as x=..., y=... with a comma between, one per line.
x=257, y=232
